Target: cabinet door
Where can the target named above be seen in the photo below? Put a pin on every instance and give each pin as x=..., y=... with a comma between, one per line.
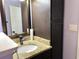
x=44, y=55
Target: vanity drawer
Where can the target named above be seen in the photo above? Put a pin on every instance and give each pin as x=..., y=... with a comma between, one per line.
x=45, y=55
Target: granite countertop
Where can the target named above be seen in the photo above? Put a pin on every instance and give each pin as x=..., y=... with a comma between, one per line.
x=42, y=44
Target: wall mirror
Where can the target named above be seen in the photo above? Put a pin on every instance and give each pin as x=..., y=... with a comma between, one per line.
x=18, y=18
x=13, y=14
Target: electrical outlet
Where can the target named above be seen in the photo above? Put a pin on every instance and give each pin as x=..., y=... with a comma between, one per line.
x=73, y=27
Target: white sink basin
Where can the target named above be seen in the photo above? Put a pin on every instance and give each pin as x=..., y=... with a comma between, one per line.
x=27, y=49
x=7, y=46
x=6, y=43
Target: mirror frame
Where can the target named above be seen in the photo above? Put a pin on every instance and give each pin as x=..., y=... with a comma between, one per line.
x=3, y=17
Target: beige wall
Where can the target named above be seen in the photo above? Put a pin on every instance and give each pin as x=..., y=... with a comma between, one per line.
x=71, y=16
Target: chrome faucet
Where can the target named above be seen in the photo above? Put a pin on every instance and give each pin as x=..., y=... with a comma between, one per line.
x=20, y=38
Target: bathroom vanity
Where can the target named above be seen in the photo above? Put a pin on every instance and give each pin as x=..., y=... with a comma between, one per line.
x=43, y=46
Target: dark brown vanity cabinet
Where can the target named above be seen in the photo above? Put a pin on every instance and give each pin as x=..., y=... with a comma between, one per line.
x=44, y=55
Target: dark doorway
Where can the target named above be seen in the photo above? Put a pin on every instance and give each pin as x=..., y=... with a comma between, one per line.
x=57, y=14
